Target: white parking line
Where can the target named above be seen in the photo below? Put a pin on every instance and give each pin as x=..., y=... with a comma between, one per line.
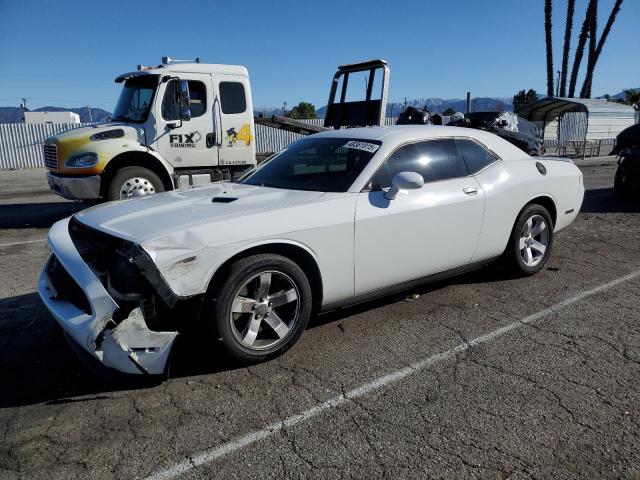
x=22, y=243
x=208, y=456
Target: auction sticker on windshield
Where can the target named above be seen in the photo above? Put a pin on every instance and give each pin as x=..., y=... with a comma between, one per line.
x=367, y=147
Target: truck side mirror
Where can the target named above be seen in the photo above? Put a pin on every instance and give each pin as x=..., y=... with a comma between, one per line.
x=184, y=100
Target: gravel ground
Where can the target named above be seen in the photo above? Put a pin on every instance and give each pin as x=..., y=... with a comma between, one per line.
x=531, y=389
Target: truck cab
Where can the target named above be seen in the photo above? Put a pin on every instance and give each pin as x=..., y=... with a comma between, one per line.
x=180, y=124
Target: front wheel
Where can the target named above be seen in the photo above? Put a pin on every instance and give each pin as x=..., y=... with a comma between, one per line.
x=531, y=240
x=263, y=307
x=131, y=182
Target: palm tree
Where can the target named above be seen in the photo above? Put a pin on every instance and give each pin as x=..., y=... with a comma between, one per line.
x=571, y=4
x=547, y=36
x=586, y=87
x=593, y=34
x=582, y=40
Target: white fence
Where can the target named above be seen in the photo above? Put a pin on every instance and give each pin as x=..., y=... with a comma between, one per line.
x=572, y=127
x=21, y=143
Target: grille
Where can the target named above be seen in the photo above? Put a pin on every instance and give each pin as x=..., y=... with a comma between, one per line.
x=66, y=287
x=50, y=156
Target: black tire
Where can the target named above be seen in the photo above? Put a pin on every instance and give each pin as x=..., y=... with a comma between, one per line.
x=122, y=175
x=513, y=257
x=619, y=185
x=239, y=273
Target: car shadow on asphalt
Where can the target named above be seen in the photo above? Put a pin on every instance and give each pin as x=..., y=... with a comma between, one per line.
x=39, y=366
x=36, y=215
x=604, y=200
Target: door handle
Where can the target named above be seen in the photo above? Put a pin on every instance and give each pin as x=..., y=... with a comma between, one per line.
x=211, y=139
x=470, y=190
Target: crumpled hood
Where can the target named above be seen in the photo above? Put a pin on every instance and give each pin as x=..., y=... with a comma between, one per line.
x=142, y=219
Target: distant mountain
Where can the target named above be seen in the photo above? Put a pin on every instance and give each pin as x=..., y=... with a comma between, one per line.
x=11, y=115
x=16, y=115
x=439, y=105
x=268, y=113
x=618, y=96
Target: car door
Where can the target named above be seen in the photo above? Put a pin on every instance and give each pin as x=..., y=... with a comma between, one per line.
x=183, y=143
x=235, y=131
x=423, y=231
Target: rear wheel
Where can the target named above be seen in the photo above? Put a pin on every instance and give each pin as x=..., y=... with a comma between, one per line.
x=531, y=240
x=620, y=184
x=131, y=182
x=263, y=307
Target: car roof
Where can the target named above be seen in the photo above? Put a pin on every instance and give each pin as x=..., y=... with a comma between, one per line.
x=397, y=134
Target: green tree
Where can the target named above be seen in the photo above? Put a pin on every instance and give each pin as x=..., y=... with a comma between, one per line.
x=449, y=111
x=303, y=110
x=523, y=98
x=632, y=96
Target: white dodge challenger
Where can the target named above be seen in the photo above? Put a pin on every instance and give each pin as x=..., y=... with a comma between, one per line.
x=335, y=219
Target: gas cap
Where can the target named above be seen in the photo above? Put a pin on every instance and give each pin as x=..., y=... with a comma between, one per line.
x=541, y=168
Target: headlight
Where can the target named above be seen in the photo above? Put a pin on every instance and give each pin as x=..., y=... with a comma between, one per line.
x=84, y=160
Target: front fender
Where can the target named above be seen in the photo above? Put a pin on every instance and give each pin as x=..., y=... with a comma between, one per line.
x=190, y=271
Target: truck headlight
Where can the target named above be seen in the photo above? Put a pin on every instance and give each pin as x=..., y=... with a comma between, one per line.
x=84, y=160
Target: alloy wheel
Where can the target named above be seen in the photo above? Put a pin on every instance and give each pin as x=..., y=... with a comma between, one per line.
x=264, y=310
x=534, y=240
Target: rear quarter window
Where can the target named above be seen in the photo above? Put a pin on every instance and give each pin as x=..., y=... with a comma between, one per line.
x=475, y=155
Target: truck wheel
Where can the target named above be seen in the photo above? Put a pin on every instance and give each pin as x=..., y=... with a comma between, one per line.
x=531, y=241
x=262, y=308
x=130, y=182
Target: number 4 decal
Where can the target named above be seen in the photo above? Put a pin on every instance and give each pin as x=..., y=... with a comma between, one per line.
x=245, y=134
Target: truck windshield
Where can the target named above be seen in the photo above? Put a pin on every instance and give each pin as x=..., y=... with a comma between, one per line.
x=135, y=99
x=316, y=164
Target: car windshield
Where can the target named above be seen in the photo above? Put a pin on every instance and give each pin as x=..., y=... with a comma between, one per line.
x=135, y=99
x=316, y=164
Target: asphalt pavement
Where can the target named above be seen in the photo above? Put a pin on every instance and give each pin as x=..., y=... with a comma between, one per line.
x=480, y=376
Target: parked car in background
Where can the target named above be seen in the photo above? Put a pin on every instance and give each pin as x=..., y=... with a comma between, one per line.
x=513, y=128
x=627, y=180
x=335, y=219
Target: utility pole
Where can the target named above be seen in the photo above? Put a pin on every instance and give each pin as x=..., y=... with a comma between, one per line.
x=90, y=117
x=468, y=102
x=405, y=102
x=24, y=108
x=284, y=109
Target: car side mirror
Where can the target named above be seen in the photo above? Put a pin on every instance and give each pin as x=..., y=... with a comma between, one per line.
x=404, y=181
x=184, y=100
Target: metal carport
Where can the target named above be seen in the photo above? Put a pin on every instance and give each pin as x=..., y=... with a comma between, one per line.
x=579, y=119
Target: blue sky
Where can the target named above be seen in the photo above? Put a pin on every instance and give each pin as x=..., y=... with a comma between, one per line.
x=67, y=53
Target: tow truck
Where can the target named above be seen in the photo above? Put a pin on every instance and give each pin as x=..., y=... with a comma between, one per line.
x=185, y=123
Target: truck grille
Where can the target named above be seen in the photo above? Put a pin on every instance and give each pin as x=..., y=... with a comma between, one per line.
x=50, y=156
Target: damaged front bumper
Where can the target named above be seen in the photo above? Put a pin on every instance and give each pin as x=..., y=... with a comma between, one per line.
x=82, y=306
